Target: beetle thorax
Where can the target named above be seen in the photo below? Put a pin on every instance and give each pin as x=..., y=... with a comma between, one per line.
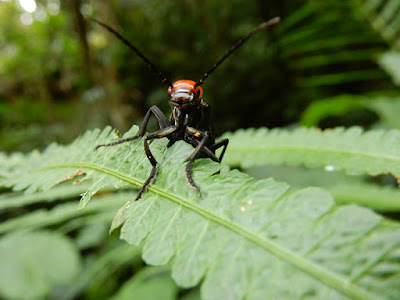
x=184, y=93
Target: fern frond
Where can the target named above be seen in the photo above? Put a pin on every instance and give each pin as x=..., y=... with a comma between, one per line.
x=344, y=43
x=353, y=150
x=104, y=208
x=246, y=238
x=384, y=18
x=383, y=15
x=390, y=62
x=344, y=189
x=253, y=238
x=18, y=200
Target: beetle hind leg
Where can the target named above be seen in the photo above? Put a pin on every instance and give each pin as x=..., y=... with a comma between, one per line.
x=188, y=169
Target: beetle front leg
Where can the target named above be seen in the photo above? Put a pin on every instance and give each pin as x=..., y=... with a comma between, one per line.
x=162, y=121
x=150, y=136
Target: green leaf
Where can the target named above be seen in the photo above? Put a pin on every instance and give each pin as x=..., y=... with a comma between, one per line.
x=150, y=283
x=103, y=209
x=388, y=110
x=353, y=150
x=376, y=197
x=383, y=17
x=103, y=270
x=340, y=78
x=244, y=238
x=57, y=164
x=33, y=263
x=335, y=106
x=263, y=240
x=347, y=46
x=390, y=62
x=343, y=188
x=18, y=200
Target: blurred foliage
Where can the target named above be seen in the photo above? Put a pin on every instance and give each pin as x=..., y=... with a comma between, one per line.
x=328, y=63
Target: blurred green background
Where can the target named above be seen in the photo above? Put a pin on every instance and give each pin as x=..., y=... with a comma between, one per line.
x=328, y=63
x=61, y=74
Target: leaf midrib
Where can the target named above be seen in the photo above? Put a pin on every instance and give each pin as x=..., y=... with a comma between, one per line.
x=331, y=279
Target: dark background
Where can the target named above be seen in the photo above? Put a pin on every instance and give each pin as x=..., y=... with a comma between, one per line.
x=61, y=74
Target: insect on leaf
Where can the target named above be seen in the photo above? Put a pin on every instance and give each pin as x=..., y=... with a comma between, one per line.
x=241, y=237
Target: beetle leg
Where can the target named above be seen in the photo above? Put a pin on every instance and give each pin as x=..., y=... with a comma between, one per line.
x=150, y=136
x=200, y=147
x=205, y=149
x=163, y=122
x=219, y=144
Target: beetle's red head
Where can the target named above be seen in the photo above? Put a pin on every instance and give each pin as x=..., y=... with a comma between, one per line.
x=184, y=93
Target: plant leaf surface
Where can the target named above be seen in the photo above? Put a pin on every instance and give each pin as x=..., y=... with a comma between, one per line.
x=244, y=238
x=353, y=150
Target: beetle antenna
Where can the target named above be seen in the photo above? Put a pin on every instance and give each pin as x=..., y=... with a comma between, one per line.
x=134, y=49
x=240, y=42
